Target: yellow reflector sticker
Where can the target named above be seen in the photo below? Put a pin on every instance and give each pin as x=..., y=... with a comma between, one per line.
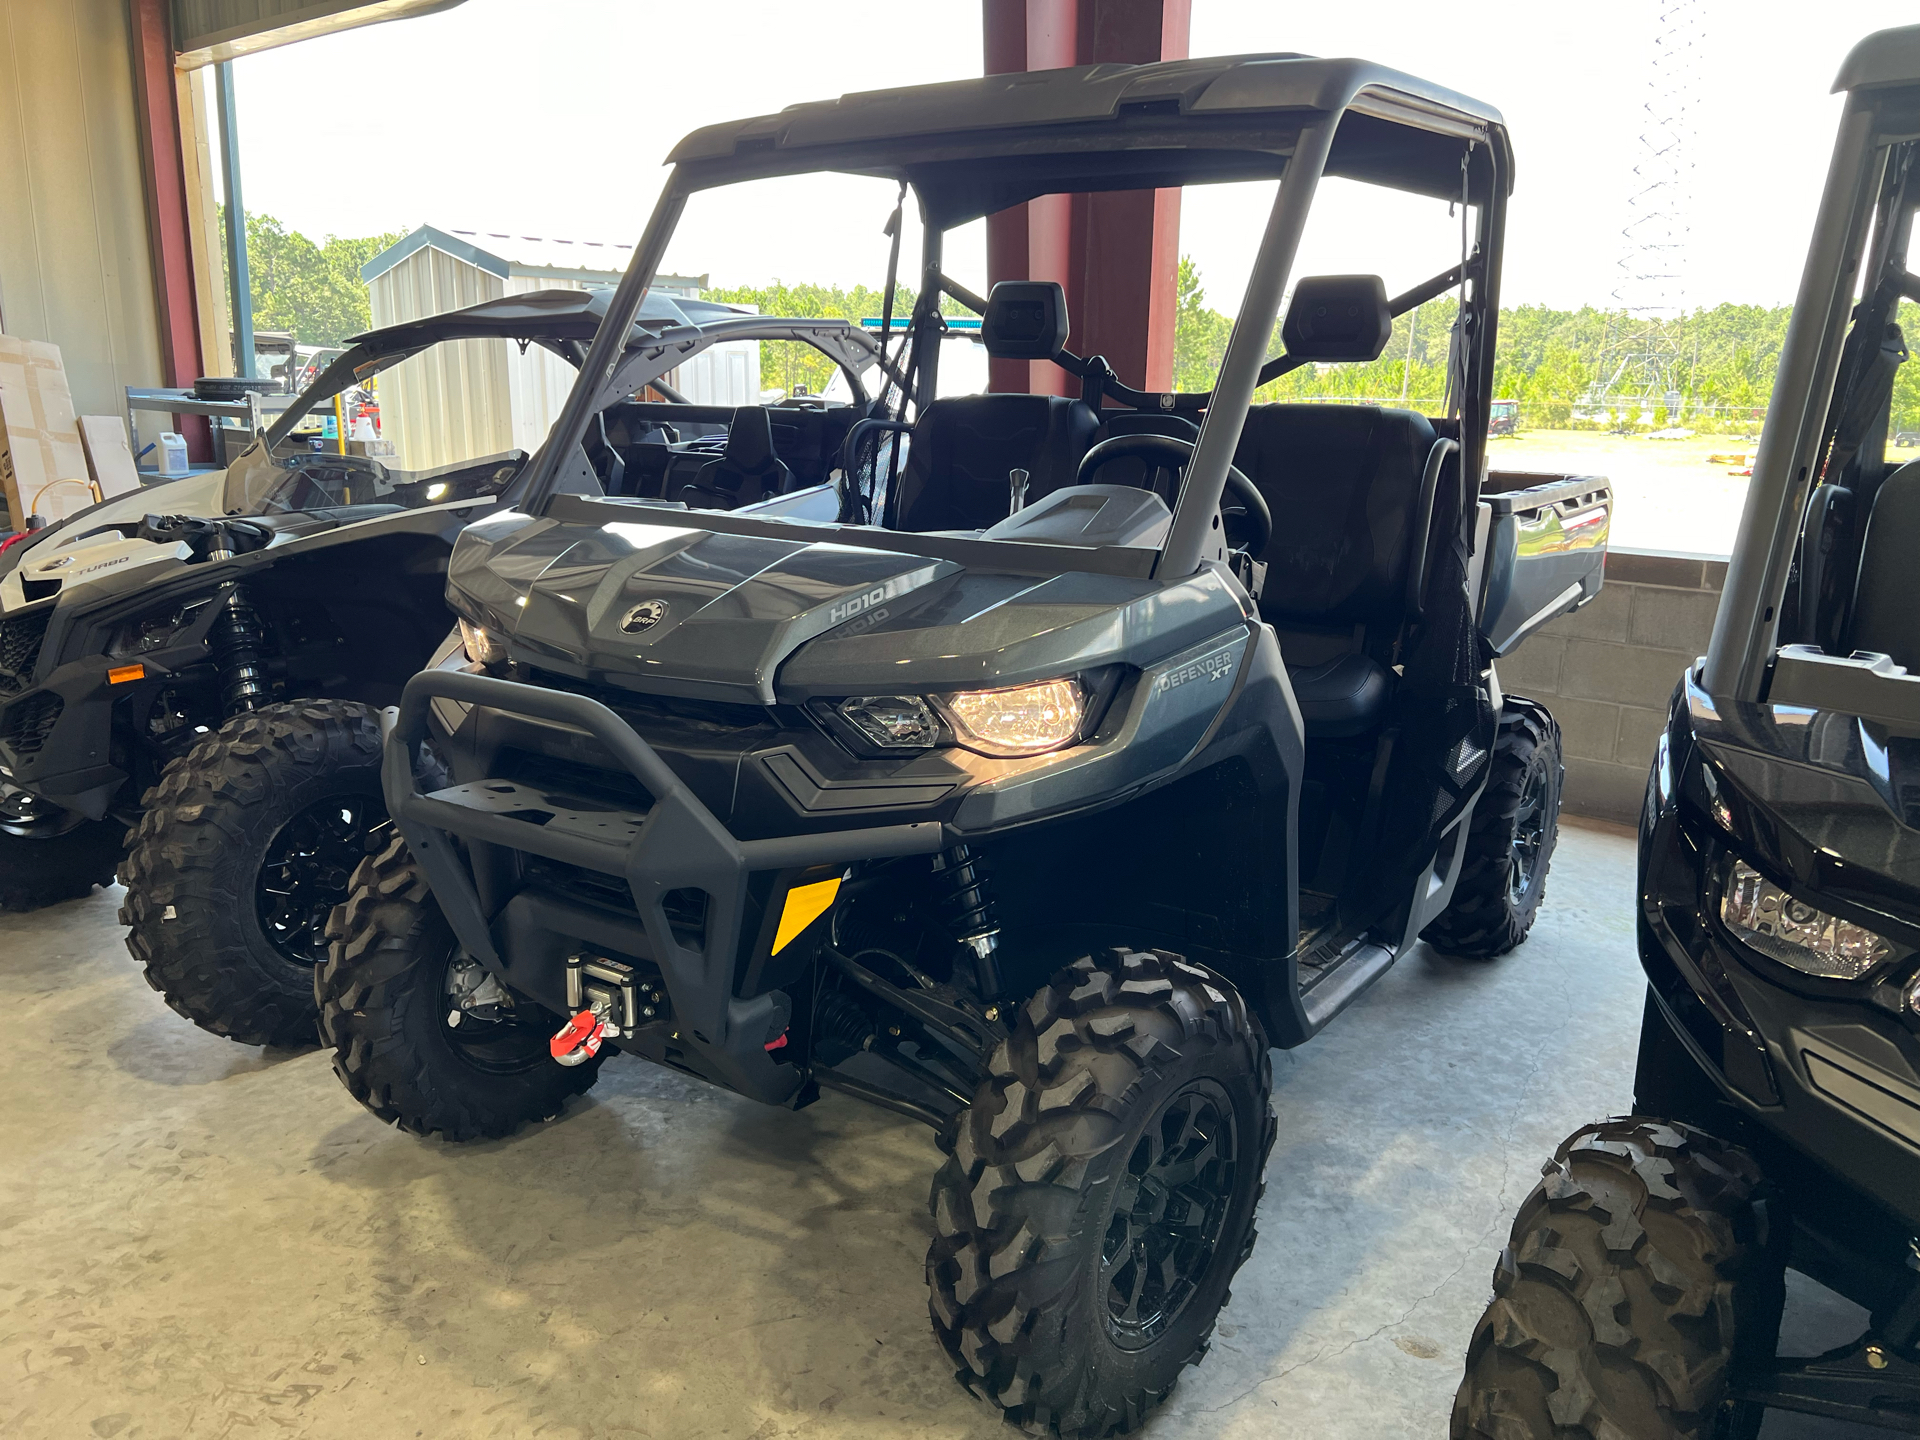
x=121, y=674
x=805, y=904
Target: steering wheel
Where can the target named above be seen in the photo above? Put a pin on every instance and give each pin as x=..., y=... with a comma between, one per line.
x=1249, y=524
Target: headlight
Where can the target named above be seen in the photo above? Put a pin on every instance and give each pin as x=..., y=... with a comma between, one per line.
x=483, y=646
x=155, y=629
x=896, y=722
x=1026, y=720
x=1794, y=932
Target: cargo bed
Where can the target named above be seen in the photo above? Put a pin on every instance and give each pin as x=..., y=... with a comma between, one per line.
x=1546, y=550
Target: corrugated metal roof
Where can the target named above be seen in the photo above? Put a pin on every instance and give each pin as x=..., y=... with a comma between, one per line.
x=545, y=252
x=504, y=254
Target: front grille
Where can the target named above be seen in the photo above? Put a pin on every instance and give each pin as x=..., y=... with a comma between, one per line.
x=686, y=909
x=578, y=884
x=638, y=707
x=25, y=725
x=572, y=779
x=20, y=640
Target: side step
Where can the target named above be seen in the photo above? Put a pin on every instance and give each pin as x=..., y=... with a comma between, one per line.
x=1340, y=984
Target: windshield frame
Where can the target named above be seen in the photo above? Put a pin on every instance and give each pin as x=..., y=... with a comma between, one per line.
x=1301, y=140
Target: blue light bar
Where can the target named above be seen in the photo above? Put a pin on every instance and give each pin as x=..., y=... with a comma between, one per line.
x=904, y=322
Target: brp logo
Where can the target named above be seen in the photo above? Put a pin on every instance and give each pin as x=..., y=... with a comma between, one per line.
x=644, y=616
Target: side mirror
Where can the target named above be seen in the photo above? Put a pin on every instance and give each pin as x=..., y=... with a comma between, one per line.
x=1337, y=317
x=1025, y=320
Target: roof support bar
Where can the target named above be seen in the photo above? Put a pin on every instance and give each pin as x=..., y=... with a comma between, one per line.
x=1748, y=618
x=1206, y=478
x=609, y=345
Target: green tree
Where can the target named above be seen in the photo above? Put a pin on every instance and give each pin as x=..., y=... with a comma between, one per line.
x=314, y=291
x=785, y=364
x=1199, y=334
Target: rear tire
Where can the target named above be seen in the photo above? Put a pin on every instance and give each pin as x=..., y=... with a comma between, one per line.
x=1510, y=840
x=47, y=856
x=1101, y=1192
x=247, y=844
x=383, y=1000
x=1640, y=1270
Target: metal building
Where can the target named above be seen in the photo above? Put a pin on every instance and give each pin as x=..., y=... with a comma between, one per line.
x=479, y=397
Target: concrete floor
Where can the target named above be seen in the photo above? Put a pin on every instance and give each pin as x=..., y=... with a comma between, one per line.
x=203, y=1239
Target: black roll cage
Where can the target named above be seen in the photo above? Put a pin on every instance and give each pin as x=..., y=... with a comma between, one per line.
x=1286, y=116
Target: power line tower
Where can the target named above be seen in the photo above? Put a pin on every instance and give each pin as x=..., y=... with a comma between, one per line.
x=1641, y=368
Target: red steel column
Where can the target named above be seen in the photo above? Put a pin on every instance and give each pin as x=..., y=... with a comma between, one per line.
x=1114, y=253
x=171, y=252
x=1032, y=241
x=1004, y=40
x=1130, y=246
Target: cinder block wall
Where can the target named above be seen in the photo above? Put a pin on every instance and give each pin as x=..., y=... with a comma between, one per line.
x=1607, y=671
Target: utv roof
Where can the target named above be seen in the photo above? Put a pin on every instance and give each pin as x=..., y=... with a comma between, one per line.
x=667, y=330
x=1886, y=57
x=539, y=315
x=971, y=147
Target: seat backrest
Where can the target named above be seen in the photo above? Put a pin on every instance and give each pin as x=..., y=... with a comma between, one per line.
x=1343, y=482
x=962, y=448
x=748, y=470
x=1886, y=609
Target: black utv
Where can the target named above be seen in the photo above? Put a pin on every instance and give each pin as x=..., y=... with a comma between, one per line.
x=205, y=661
x=1104, y=740
x=1777, y=1094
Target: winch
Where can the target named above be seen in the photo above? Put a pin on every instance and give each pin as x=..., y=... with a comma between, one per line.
x=607, y=999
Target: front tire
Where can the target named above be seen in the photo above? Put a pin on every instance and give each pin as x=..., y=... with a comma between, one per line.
x=1641, y=1269
x=49, y=855
x=1101, y=1192
x=246, y=846
x=1509, y=840
x=391, y=979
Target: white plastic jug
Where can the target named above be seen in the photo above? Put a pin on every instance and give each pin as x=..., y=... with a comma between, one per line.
x=173, y=454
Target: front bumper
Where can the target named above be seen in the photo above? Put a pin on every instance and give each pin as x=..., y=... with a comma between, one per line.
x=725, y=1001
x=70, y=732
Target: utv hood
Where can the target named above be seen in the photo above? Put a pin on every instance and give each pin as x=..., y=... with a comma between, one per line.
x=682, y=611
x=1828, y=798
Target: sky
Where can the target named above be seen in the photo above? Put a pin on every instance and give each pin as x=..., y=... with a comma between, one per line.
x=552, y=119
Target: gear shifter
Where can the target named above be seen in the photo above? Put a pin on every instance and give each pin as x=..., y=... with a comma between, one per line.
x=1016, y=491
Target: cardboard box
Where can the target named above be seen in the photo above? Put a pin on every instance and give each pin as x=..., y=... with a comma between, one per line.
x=39, y=440
x=380, y=449
x=109, y=456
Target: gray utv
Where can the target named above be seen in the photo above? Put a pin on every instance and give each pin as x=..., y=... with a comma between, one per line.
x=1102, y=741
x=203, y=661
x=1776, y=1118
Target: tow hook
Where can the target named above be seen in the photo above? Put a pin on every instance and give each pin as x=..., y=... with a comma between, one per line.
x=579, y=1039
x=610, y=1000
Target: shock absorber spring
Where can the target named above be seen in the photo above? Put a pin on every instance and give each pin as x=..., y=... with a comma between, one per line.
x=238, y=641
x=970, y=916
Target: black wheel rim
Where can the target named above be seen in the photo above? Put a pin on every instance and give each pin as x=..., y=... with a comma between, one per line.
x=1169, y=1211
x=28, y=817
x=1529, y=834
x=498, y=1038
x=306, y=869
